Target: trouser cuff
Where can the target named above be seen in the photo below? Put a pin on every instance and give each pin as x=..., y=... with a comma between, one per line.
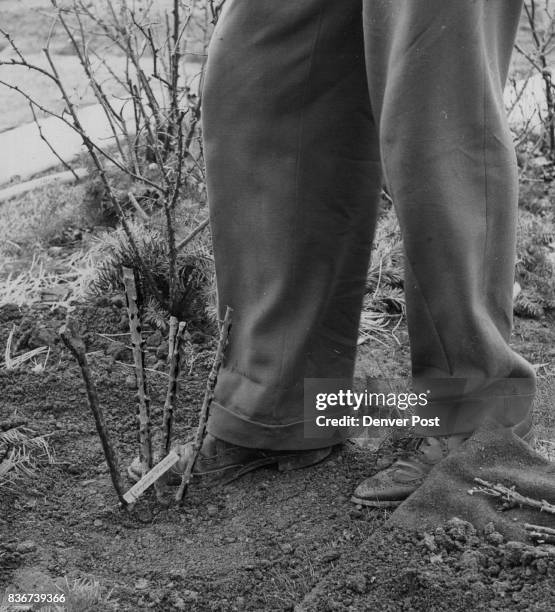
x=249, y=414
x=511, y=410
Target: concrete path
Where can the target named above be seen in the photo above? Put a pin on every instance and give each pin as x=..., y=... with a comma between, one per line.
x=23, y=153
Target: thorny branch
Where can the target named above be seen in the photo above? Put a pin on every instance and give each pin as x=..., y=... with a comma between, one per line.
x=511, y=496
x=70, y=335
x=208, y=397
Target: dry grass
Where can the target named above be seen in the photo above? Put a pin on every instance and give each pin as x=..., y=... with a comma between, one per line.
x=85, y=595
x=384, y=303
x=13, y=363
x=32, y=267
x=67, y=282
x=77, y=595
x=22, y=452
x=544, y=417
x=36, y=218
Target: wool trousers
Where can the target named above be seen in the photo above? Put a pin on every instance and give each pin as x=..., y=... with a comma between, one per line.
x=309, y=107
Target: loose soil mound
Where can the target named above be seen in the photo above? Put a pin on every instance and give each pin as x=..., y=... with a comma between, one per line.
x=450, y=568
x=264, y=543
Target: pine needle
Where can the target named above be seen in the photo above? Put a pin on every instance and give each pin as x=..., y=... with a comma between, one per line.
x=13, y=363
x=22, y=453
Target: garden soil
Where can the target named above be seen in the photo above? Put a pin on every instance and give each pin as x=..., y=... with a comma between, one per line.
x=268, y=541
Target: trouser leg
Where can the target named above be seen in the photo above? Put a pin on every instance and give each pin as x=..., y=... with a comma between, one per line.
x=293, y=175
x=436, y=70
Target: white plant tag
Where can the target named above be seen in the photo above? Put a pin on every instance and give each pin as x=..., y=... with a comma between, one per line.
x=151, y=477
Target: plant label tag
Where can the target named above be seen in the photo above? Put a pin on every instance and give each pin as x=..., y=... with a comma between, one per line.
x=151, y=477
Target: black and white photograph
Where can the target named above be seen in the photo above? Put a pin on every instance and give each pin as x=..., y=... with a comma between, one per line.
x=277, y=305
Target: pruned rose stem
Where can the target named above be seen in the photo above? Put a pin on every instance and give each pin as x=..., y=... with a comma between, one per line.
x=71, y=338
x=137, y=343
x=174, y=342
x=208, y=397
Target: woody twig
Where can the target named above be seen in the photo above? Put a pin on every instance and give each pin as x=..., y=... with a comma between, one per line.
x=175, y=337
x=510, y=495
x=71, y=338
x=137, y=343
x=208, y=397
x=540, y=534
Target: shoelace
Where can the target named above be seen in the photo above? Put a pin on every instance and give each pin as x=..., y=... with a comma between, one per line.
x=416, y=449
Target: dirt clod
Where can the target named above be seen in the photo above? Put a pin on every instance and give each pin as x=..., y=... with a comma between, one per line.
x=25, y=547
x=118, y=351
x=356, y=583
x=130, y=381
x=42, y=336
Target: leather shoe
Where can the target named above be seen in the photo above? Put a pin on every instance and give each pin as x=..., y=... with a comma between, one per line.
x=222, y=460
x=392, y=486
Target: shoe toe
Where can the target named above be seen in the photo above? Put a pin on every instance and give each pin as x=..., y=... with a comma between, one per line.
x=386, y=485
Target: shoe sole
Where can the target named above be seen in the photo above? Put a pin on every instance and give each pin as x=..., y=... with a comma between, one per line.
x=376, y=503
x=284, y=463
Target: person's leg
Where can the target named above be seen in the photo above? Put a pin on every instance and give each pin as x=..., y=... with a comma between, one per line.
x=293, y=176
x=436, y=71
x=436, y=74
